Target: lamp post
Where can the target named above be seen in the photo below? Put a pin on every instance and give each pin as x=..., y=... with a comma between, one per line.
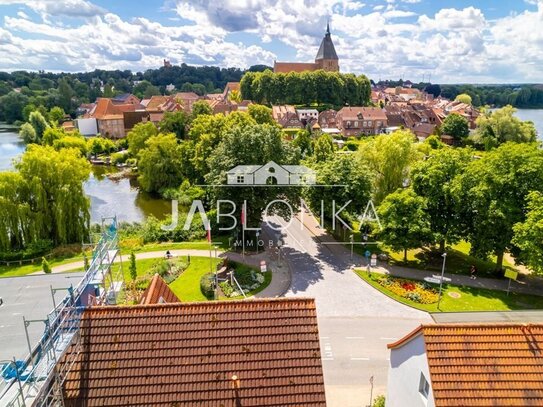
x=14, y=364
x=351, y=238
x=444, y=255
x=257, y=233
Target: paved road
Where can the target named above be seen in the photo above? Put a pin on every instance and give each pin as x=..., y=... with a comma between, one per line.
x=28, y=296
x=355, y=320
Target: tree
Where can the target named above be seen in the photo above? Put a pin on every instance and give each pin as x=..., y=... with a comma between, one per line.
x=389, y=157
x=11, y=106
x=456, y=126
x=100, y=145
x=200, y=107
x=253, y=144
x=28, y=134
x=46, y=267
x=501, y=126
x=432, y=179
x=51, y=134
x=145, y=89
x=341, y=179
x=39, y=123
x=433, y=89
x=56, y=114
x=463, y=98
x=159, y=163
x=261, y=114
x=492, y=194
x=71, y=141
x=324, y=147
x=404, y=221
x=66, y=94
x=235, y=96
x=174, y=122
x=132, y=267
x=304, y=143
x=528, y=235
x=139, y=134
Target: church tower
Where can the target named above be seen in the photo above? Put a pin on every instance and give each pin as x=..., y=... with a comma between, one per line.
x=326, y=57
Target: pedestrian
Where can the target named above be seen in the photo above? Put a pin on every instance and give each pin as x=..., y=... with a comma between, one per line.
x=472, y=272
x=168, y=254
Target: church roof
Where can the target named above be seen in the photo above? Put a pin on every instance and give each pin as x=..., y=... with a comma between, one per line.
x=326, y=50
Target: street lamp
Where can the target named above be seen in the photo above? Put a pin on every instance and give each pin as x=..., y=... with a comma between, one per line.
x=351, y=238
x=444, y=255
x=257, y=233
x=14, y=364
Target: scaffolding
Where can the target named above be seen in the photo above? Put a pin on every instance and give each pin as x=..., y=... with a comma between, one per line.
x=37, y=381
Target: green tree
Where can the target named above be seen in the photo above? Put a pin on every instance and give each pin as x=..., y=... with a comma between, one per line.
x=28, y=134
x=66, y=93
x=501, y=126
x=56, y=114
x=200, y=107
x=261, y=114
x=528, y=235
x=100, y=145
x=304, y=143
x=51, y=134
x=432, y=179
x=235, y=96
x=404, y=221
x=324, y=148
x=46, y=267
x=389, y=158
x=492, y=194
x=132, y=267
x=139, y=135
x=39, y=123
x=71, y=141
x=174, y=122
x=464, y=98
x=11, y=106
x=456, y=126
x=159, y=163
x=141, y=90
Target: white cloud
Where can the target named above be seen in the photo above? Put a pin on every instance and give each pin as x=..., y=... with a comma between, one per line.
x=71, y=8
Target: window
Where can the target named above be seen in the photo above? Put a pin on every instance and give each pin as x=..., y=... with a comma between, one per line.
x=240, y=179
x=378, y=124
x=355, y=124
x=424, y=386
x=365, y=124
x=369, y=123
x=348, y=123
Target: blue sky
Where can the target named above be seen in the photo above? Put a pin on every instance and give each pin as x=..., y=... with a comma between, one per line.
x=447, y=41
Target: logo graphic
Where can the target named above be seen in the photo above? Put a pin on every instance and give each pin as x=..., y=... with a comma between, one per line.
x=271, y=174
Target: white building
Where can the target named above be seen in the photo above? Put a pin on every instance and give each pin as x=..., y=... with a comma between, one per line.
x=270, y=174
x=87, y=127
x=306, y=114
x=485, y=364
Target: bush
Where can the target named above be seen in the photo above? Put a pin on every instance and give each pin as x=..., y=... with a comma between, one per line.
x=119, y=158
x=45, y=266
x=379, y=401
x=226, y=288
x=207, y=285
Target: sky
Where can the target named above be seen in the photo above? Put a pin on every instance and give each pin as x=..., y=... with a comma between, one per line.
x=445, y=41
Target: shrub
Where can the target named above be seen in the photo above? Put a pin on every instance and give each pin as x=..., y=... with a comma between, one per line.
x=45, y=266
x=226, y=288
x=379, y=401
x=207, y=285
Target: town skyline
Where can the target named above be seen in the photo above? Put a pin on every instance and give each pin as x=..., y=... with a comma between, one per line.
x=453, y=42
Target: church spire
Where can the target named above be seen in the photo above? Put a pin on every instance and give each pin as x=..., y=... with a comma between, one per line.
x=328, y=27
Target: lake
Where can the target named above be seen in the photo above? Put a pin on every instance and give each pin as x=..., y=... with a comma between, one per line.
x=108, y=197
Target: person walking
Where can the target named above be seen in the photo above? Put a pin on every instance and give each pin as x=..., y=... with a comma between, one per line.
x=472, y=272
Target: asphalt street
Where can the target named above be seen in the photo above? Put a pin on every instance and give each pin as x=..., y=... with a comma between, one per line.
x=28, y=296
x=355, y=321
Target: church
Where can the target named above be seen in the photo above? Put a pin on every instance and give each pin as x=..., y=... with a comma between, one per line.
x=326, y=59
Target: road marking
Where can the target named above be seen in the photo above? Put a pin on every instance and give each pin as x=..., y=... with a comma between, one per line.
x=360, y=358
x=354, y=337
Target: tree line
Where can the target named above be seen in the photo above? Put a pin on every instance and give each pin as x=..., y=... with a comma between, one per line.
x=305, y=88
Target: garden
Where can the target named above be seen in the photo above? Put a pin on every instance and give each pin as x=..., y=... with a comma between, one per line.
x=424, y=296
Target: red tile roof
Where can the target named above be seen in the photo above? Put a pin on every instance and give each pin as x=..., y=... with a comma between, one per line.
x=158, y=292
x=483, y=364
x=286, y=67
x=106, y=109
x=185, y=354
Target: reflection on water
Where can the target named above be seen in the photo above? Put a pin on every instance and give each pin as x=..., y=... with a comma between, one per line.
x=122, y=198
x=11, y=146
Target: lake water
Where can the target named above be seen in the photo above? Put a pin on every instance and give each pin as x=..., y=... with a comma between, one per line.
x=534, y=115
x=108, y=197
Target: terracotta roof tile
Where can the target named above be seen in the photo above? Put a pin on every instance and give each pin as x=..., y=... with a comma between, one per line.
x=185, y=354
x=286, y=67
x=158, y=292
x=484, y=364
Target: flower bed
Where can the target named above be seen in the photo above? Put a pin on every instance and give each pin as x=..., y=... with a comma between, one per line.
x=415, y=291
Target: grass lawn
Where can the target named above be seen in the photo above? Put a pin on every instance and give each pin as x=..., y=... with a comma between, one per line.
x=187, y=285
x=470, y=299
x=243, y=268
x=458, y=261
x=16, y=270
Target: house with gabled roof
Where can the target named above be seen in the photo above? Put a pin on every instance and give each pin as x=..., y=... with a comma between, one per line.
x=485, y=364
x=158, y=292
x=221, y=353
x=271, y=173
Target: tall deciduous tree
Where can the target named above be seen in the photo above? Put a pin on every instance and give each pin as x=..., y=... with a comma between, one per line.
x=324, y=148
x=464, y=98
x=389, y=157
x=139, y=135
x=174, y=122
x=159, y=163
x=432, y=179
x=39, y=123
x=456, y=126
x=404, y=221
x=261, y=114
x=529, y=234
x=492, y=195
x=200, y=107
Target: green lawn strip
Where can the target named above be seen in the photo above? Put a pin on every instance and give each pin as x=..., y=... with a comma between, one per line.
x=471, y=299
x=187, y=285
x=245, y=268
x=14, y=271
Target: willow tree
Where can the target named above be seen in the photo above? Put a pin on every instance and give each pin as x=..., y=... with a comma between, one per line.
x=54, y=193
